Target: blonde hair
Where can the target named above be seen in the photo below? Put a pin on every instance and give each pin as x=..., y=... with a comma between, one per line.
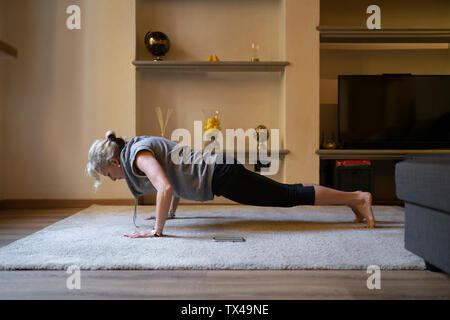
x=101, y=153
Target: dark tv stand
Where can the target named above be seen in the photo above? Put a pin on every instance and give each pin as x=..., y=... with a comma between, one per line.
x=383, y=169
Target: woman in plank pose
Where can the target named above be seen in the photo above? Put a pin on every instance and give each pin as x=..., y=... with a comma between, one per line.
x=146, y=163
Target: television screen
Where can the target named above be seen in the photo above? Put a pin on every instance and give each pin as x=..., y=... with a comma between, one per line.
x=394, y=111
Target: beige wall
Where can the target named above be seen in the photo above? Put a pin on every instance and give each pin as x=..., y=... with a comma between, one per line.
x=3, y=20
x=394, y=13
x=3, y=97
x=302, y=91
x=66, y=89
x=285, y=30
x=198, y=29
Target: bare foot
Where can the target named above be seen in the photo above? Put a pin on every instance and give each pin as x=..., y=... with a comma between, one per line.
x=358, y=216
x=363, y=209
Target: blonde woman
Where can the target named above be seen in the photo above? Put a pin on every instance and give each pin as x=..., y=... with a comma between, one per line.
x=145, y=162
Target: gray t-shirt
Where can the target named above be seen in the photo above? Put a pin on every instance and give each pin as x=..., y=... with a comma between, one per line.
x=191, y=179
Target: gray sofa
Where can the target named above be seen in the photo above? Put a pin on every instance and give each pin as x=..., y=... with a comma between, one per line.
x=423, y=182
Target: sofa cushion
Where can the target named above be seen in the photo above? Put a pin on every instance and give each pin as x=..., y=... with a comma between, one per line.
x=424, y=180
x=427, y=235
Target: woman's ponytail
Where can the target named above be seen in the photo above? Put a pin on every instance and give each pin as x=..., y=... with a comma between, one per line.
x=111, y=136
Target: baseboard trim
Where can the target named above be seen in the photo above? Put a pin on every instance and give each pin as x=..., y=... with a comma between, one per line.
x=83, y=203
x=60, y=203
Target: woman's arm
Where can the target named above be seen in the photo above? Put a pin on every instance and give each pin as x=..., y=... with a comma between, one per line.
x=147, y=163
x=172, y=210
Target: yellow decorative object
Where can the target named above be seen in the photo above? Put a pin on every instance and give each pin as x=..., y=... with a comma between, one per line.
x=210, y=58
x=211, y=129
x=212, y=123
x=216, y=58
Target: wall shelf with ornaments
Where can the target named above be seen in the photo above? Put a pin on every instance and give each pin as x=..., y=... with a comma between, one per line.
x=220, y=66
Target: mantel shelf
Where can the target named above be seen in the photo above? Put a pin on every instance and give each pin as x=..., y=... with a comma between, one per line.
x=360, y=35
x=373, y=154
x=383, y=46
x=224, y=66
x=7, y=51
x=281, y=153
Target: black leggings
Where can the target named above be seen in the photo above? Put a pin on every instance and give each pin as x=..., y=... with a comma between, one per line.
x=235, y=182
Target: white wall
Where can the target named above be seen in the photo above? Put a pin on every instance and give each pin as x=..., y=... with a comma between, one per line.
x=66, y=89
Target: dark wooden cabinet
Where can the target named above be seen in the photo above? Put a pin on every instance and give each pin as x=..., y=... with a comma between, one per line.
x=379, y=178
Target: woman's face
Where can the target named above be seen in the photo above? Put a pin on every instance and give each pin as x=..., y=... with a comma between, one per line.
x=113, y=171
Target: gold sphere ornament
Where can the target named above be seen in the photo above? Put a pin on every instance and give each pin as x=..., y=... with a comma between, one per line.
x=157, y=43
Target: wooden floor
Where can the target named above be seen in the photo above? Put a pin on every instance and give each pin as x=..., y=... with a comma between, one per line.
x=211, y=284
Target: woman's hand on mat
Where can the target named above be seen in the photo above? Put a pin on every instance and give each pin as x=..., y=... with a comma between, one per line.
x=141, y=234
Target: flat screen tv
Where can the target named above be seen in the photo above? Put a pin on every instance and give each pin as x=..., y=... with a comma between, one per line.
x=394, y=111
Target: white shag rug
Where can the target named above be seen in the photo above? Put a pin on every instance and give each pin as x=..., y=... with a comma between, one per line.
x=306, y=237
